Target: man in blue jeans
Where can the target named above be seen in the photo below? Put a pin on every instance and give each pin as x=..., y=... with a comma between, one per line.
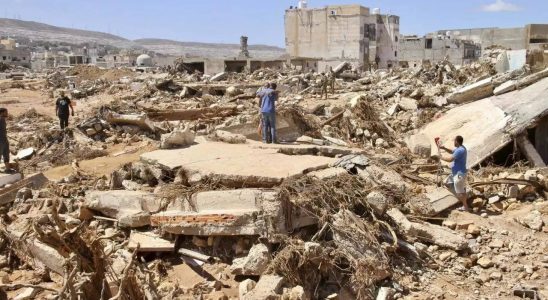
x=267, y=103
x=458, y=170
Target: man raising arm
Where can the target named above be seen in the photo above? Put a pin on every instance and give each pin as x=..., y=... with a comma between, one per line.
x=458, y=170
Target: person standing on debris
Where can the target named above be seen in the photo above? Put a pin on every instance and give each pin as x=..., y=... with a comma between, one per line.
x=458, y=170
x=323, y=84
x=62, y=109
x=331, y=78
x=267, y=103
x=4, y=143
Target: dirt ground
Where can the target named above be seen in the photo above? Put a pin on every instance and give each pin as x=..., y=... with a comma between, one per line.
x=20, y=100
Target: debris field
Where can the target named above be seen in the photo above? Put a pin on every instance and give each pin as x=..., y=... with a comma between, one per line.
x=161, y=188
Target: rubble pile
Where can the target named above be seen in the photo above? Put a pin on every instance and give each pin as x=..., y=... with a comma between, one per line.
x=161, y=189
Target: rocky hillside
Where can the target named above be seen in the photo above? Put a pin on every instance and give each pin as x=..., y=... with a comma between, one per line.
x=170, y=47
x=44, y=32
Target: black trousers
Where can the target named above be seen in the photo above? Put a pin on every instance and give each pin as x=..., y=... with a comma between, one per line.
x=5, y=150
x=63, y=121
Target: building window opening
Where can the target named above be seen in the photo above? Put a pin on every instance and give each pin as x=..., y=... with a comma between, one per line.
x=396, y=53
x=428, y=44
x=396, y=38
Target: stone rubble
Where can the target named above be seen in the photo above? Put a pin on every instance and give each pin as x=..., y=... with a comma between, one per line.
x=164, y=190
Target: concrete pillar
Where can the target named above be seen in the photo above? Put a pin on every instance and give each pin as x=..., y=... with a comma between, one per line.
x=541, y=139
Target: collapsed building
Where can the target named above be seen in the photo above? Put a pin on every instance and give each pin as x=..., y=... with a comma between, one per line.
x=162, y=188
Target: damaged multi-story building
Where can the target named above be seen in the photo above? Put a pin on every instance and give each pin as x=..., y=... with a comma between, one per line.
x=434, y=48
x=338, y=33
x=14, y=54
x=528, y=37
x=463, y=46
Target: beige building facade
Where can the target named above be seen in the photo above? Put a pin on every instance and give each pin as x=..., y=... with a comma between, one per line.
x=338, y=33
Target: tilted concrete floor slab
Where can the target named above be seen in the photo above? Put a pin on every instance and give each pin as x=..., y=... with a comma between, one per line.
x=489, y=124
x=236, y=164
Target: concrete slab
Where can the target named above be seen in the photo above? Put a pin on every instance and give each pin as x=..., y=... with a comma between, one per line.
x=231, y=200
x=149, y=242
x=9, y=178
x=34, y=181
x=131, y=208
x=440, y=198
x=308, y=149
x=238, y=165
x=488, y=125
x=233, y=212
x=481, y=89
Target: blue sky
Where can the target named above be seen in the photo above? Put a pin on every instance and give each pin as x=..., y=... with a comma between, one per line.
x=262, y=20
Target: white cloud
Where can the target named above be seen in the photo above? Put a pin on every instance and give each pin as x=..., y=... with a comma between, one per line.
x=500, y=5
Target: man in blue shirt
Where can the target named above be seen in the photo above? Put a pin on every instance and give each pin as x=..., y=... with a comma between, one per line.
x=458, y=170
x=267, y=103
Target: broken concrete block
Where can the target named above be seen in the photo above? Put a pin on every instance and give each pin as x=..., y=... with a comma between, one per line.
x=268, y=287
x=9, y=178
x=383, y=176
x=295, y=293
x=408, y=104
x=131, y=208
x=377, y=201
x=532, y=220
x=254, y=264
x=27, y=294
x=479, y=90
x=230, y=200
x=231, y=138
x=232, y=91
x=149, y=242
x=393, y=109
x=140, y=120
x=506, y=87
x=419, y=144
x=528, y=80
x=245, y=287
x=427, y=232
x=131, y=185
x=232, y=212
x=35, y=181
x=177, y=139
x=25, y=153
x=440, y=198
x=386, y=293
x=309, y=140
x=219, y=76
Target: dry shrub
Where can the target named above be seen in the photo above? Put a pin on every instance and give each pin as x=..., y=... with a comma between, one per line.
x=304, y=122
x=351, y=250
x=364, y=115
